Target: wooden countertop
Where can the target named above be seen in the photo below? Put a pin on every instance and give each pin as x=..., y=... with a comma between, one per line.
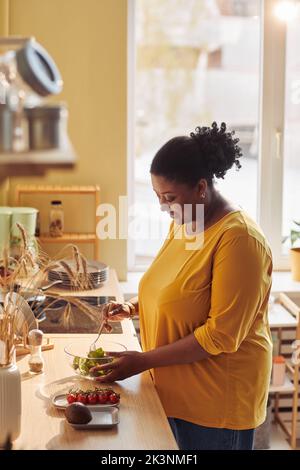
x=143, y=424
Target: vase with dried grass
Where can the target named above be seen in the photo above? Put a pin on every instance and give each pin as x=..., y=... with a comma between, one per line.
x=10, y=379
x=19, y=275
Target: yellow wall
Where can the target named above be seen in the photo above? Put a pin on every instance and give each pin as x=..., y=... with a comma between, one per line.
x=4, y=7
x=88, y=40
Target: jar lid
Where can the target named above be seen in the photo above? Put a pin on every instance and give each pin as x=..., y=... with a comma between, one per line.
x=38, y=69
x=56, y=203
x=23, y=210
x=35, y=337
x=5, y=210
x=278, y=360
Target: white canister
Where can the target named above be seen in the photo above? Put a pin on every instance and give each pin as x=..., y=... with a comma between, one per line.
x=5, y=226
x=26, y=216
x=10, y=403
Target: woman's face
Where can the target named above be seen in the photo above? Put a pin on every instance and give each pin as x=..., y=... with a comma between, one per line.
x=174, y=196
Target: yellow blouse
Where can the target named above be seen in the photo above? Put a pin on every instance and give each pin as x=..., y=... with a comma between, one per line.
x=220, y=293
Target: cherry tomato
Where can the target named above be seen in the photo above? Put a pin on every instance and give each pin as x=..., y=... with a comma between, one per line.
x=71, y=397
x=102, y=398
x=114, y=398
x=92, y=398
x=82, y=398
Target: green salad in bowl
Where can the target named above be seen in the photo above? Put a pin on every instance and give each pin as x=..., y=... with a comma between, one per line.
x=83, y=361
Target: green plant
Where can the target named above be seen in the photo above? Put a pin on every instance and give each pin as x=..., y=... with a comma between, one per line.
x=294, y=234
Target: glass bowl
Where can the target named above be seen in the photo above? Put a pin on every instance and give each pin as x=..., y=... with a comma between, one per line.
x=81, y=360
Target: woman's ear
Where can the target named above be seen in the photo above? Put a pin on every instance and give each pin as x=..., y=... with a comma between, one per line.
x=202, y=188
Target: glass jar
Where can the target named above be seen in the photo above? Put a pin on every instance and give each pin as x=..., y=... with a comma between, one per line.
x=56, y=223
x=26, y=76
x=36, y=361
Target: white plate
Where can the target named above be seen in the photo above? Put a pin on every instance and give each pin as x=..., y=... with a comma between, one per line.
x=93, y=267
x=60, y=401
x=100, y=419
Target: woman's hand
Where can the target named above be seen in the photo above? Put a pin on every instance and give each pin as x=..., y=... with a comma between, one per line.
x=114, y=311
x=123, y=366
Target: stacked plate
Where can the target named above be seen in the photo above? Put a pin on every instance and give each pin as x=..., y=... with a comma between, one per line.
x=97, y=275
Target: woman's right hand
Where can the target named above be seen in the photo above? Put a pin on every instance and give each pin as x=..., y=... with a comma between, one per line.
x=115, y=311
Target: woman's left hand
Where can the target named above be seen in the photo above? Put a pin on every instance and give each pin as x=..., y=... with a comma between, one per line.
x=123, y=366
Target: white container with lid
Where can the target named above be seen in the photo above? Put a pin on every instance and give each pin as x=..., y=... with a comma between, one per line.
x=10, y=402
x=5, y=226
x=46, y=126
x=26, y=216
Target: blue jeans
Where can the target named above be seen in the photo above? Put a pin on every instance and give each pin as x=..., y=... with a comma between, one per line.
x=191, y=436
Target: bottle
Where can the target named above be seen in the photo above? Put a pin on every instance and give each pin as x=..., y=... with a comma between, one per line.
x=278, y=372
x=56, y=225
x=36, y=361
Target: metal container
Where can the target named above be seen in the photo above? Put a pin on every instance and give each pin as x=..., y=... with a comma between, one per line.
x=6, y=129
x=46, y=126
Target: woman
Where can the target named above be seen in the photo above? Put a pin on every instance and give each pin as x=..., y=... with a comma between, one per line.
x=203, y=312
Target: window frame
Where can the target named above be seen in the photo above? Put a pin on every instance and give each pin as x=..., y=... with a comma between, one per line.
x=271, y=129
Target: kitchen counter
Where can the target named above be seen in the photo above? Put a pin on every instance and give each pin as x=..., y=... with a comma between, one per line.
x=143, y=424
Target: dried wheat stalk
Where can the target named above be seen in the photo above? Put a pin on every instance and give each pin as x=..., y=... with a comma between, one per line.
x=24, y=266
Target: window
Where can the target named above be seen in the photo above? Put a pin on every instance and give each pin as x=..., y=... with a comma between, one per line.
x=197, y=61
x=291, y=169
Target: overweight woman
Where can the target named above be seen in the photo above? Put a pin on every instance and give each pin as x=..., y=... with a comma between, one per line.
x=203, y=312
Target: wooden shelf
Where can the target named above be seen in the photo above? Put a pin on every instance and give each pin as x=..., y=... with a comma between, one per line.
x=285, y=313
x=287, y=387
x=36, y=189
x=36, y=163
x=68, y=237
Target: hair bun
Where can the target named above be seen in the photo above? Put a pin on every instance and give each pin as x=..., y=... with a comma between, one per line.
x=218, y=149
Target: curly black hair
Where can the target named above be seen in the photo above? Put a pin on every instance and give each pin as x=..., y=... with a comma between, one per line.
x=207, y=153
